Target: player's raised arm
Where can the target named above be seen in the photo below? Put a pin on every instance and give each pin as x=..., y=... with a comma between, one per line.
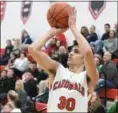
x=35, y=49
x=84, y=46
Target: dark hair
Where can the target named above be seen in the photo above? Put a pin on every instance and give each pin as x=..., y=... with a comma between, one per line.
x=114, y=33
x=86, y=33
x=107, y=25
x=74, y=44
x=33, y=62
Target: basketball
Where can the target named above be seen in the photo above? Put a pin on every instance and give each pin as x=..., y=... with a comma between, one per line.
x=57, y=15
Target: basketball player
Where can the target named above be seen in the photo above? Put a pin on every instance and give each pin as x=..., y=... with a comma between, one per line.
x=69, y=87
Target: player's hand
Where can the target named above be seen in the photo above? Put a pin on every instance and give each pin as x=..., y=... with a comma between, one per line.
x=72, y=17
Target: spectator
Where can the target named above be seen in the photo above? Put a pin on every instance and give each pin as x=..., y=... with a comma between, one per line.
x=43, y=86
x=7, y=108
x=30, y=84
x=107, y=30
x=52, y=46
x=84, y=31
x=62, y=58
x=93, y=36
x=21, y=64
x=95, y=105
x=4, y=59
x=11, y=60
x=116, y=29
x=7, y=82
x=25, y=38
x=21, y=92
x=3, y=74
x=108, y=73
x=12, y=99
x=98, y=62
x=37, y=73
x=111, y=43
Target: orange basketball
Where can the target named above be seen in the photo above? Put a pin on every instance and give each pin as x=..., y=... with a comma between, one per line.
x=57, y=15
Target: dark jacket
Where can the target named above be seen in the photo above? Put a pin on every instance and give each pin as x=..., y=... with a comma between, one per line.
x=92, y=37
x=7, y=84
x=109, y=70
x=31, y=88
x=26, y=40
x=105, y=36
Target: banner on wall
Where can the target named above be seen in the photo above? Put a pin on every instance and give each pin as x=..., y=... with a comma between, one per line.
x=2, y=9
x=26, y=10
x=96, y=8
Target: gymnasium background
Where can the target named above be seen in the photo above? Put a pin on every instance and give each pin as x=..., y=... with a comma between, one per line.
x=12, y=21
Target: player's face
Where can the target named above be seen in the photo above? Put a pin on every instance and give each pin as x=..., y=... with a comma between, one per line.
x=75, y=57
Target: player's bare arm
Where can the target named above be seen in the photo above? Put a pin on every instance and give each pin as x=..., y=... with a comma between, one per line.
x=35, y=49
x=84, y=47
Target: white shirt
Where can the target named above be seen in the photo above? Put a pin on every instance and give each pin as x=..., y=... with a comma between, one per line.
x=69, y=92
x=21, y=64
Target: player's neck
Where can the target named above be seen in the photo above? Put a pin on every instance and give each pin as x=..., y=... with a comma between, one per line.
x=76, y=69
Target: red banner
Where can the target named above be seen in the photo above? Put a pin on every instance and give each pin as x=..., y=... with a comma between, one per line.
x=2, y=9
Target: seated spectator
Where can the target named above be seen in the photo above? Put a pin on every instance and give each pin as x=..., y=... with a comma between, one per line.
x=7, y=82
x=62, y=39
x=8, y=49
x=25, y=38
x=12, y=99
x=36, y=72
x=21, y=65
x=98, y=62
x=19, y=87
x=63, y=55
x=111, y=43
x=30, y=84
x=3, y=74
x=43, y=86
x=105, y=36
x=84, y=31
x=108, y=73
x=7, y=108
x=95, y=105
x=93, y=36
x=51, y=46
x=116, y=29
x=11, y=60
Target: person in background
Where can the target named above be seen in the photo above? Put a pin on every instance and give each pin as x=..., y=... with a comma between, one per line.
x=95, y=105
x=37, y=73
x=93, y=36
x=111, y=44
x=107, y=30
x=116, y=29
x=84, y=31
x=63, y=56
x=108, y=73
x=19, y=87
x=8, y=49
x=21, y=64
x=30, y=85
x=25, y=38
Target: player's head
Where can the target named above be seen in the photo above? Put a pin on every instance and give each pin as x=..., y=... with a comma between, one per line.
x=75, y=57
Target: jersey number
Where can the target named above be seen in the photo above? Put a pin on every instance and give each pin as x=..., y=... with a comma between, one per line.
x=68, y=104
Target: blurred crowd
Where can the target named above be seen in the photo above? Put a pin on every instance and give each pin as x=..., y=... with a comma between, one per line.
x=22, y=78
